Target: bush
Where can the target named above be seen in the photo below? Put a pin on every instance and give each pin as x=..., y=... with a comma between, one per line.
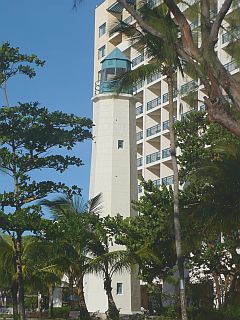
x=212, y=314
x=62, y=312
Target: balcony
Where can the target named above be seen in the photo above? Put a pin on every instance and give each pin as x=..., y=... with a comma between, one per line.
x=194, y=25
x=153, y=130
x=140, y=189
x=166, y=153
x=231, y=66
x=157, y=183
x=152, y=3
x=153, y=77
x=139, y=110
x=140, y=162
x=138, y=60
x=165, y=96
x=165, y=124
x=203, y=107
x=231, y=35
x=185, y=114
x=119, y=27
x=139, y=136
x=117, y=8
x=138, y=86
x=213, y=13
x=128, y=20
x=153, y=157
x=167, y=180
x=153, y=103
x=189, y=86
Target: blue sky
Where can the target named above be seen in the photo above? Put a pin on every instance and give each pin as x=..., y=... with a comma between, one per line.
x=64, y=38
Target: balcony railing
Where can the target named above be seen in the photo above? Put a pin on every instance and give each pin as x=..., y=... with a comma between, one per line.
x=231, y=66
x=153, y=103
x=139, y=136
x=167, y=180
x=213, y=13
x=194, y=25
x=165, y=96
x=153, y=130
x=128, y=20
x=138, y=85
x=152, y=3
x=139, y=162
x=139, y=110
x=153, y=157
x=184, y=115
x=189, y=86
x=153, y=77
x=138, y=60
x=119, y=27
x=231, y=35
x=165, y=124
x=202, y=107
x=140, y=189
x=166, y=153
x=157, y=182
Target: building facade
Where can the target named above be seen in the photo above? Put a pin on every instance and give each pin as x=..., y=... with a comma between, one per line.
x=152, y=156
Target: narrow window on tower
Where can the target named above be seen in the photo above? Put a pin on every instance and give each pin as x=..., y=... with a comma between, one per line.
x=120, y=144
x=119, y=288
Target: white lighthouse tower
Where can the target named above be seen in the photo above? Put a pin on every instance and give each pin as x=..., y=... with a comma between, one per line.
x=114, y=172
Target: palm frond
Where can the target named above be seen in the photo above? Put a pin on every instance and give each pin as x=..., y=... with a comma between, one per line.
x=95, y=204
x=130, y=78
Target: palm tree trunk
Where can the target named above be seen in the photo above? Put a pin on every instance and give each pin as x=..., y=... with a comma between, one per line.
x=50, y=302
x=18, y=257
x=84, y=314
x=177, y=225
x=14, y=292
x=113, y=312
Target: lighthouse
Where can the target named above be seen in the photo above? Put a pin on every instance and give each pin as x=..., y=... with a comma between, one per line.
x=114, y=172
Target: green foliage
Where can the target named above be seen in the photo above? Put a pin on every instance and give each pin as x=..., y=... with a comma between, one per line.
x=30, y=136
x=211, y=314
x=150, y=236
x=31, y=303
x=62, y=312
x=12, y=63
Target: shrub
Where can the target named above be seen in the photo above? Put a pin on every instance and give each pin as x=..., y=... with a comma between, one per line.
x=62, y=312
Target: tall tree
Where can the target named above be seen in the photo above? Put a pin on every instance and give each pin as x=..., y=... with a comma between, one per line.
x=166, y=61
x=107, y=259
x=204, y=60
x=72, y=253
x=12, y=63
x=30, y=137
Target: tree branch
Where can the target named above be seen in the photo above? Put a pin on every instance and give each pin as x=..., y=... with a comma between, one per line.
x=219, y=18
x=140, y=20
x=185, y=29
x=217, y=113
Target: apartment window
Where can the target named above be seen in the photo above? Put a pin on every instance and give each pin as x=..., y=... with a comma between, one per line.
x=119, y=288
x=101, y=52
x=102, y=30
x=120, y=144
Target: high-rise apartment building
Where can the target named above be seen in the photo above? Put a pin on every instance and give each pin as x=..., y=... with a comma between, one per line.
x=151, y=105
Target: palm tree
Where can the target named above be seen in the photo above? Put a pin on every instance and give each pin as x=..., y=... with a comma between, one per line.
x=8, y=277
x=39, y=275
x=106, y=262
x=72, y=252
x=167, y=62
x=33, y=276
x=219, y=178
